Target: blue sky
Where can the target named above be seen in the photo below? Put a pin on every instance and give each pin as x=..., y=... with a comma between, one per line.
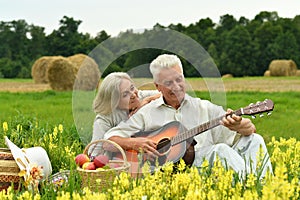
x=115, y=16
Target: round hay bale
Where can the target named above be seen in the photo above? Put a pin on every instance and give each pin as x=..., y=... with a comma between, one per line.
x=298, y=73
x=227, y=76
x=88, y=73
x=267, y=73
x=61, y=74
x=39, y=69
x=283, y=68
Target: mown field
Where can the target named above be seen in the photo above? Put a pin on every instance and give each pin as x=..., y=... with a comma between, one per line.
x=31, y=116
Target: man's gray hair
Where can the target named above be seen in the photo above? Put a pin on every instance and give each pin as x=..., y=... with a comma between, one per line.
x=164, y=61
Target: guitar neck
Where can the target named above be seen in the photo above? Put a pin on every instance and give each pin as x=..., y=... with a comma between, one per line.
x=200, y=129
x=195, y=131
x=258, y=108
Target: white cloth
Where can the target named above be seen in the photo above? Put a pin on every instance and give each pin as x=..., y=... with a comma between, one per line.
x=192, y=113
x=242, y=157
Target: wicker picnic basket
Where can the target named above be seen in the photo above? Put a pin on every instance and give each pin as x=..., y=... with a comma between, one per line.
x=98, y=180
x=9, y=170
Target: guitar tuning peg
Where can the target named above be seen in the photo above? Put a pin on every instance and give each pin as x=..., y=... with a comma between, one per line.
x=261, y=115
x=251, y=104
x=253, y=116
x=258, y=102
x=269, y=113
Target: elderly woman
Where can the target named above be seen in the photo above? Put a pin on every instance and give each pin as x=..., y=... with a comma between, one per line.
x=117, y=99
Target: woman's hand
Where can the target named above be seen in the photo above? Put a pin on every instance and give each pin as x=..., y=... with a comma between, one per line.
x=142, y=103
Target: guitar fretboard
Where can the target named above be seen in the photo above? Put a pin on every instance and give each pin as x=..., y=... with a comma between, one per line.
x=199, y=129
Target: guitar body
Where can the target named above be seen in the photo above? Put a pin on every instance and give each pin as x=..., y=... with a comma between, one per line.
x=162, y=137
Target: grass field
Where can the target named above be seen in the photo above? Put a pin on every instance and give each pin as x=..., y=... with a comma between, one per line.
x=50, y=107
x=37, y=116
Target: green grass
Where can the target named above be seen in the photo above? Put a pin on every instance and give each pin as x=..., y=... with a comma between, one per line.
x=284, y=120
x=19, y=80
x=48, y=107
x=53, y=108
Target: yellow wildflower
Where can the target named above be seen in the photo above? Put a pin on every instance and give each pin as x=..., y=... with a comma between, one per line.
x=63, y=196
x=55, y=131
x=69, y=151
x=5, y=126
x=22, y=173
x=19, y=128
x=60, y=128
x=181, y=165
x=250, y=180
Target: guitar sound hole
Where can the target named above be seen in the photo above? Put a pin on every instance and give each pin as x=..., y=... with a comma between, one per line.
x=163, y=146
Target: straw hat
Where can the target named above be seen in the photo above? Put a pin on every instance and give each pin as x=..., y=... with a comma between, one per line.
x=25, y=158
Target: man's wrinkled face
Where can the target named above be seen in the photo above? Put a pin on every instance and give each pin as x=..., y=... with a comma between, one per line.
x=171, y=84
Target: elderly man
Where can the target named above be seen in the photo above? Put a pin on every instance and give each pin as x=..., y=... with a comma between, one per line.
x=176, y=105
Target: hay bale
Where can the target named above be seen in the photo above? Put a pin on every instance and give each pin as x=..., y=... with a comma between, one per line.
x=227, y=76
x=39, y=69
x=267, y=73
x=87, y=72
x=61, y=74
x=283, y=68
x=298, y=73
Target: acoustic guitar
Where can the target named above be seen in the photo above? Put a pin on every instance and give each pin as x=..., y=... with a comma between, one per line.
x=174, y=141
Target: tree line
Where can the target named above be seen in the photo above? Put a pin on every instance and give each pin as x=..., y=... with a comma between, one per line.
x=240, y=47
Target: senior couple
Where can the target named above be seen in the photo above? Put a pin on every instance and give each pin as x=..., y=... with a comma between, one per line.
x=122, y=111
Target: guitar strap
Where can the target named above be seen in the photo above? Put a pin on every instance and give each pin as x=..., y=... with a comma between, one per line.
x=194, y=142
x=189, y=155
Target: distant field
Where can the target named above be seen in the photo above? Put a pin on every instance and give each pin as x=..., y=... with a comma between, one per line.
x=21, y=85
x=262, y=84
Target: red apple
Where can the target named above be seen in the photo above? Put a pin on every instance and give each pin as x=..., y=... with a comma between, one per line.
x=80, y=159
x=101, y=160
x=89, y=166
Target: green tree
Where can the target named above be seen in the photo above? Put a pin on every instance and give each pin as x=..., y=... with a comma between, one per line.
x=5, y=32
x=264, y=36
x=239, y=53
x=9, y=68
x=37, y=42
x=102, y=36
x=285, y=47
x=266, y=16
x=66, y=39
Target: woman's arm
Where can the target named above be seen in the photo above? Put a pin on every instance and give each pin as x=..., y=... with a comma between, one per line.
x=145, y=96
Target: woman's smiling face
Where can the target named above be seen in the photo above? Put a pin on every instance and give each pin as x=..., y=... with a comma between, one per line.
x=128, y=95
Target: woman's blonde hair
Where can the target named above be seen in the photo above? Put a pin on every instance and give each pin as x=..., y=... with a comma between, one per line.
x=108, y=95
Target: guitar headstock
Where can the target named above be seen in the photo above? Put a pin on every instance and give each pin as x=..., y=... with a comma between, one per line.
x=257, y=108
